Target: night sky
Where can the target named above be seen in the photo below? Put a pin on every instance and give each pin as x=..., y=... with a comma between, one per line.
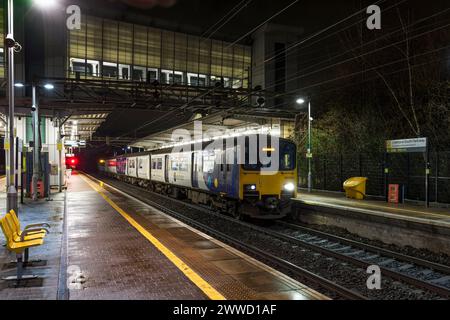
x=312, y=15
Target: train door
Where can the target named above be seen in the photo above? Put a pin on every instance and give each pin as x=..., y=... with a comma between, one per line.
x=166, y=169
x=194, y=169
x=223, y=172
x=229, y=160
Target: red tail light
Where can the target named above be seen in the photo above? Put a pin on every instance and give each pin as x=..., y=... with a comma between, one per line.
x=71, y=161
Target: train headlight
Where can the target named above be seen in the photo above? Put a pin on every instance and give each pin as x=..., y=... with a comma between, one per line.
x=250, y=187
x=289, y=187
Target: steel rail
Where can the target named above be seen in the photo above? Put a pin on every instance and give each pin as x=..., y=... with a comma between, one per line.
x=385, y=252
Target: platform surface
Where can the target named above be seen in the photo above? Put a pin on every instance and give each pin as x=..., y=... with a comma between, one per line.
x=115, y=247
x=416, y=213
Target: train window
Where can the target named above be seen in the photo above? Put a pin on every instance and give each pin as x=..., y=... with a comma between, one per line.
x=141, y=163
x=208, y=162
x=250, y=161
x=182, y=166
x=159, y=164
x=287, y=155
x=154, y=165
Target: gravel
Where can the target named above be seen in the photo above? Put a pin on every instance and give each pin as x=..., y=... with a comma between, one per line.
x=410, y=251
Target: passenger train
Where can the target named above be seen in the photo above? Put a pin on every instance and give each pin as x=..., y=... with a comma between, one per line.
x=204, y=176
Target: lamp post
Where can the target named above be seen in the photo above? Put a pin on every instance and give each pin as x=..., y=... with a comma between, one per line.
x=60, y=148
x=11, y=200
x=36, y=142
x=301, y=101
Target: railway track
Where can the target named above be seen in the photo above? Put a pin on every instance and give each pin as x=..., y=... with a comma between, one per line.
x=415, y=272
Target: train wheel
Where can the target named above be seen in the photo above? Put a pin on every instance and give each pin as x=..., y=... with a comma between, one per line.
x=238, y=213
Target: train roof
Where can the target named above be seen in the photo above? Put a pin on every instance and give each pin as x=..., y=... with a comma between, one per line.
x=169, y=150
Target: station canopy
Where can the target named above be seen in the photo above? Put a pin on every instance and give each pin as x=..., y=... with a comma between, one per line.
x=206, y=128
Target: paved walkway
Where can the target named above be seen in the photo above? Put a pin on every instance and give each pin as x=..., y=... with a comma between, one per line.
x=115, y=247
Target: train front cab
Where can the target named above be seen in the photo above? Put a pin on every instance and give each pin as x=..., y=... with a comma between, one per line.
x=268, y=195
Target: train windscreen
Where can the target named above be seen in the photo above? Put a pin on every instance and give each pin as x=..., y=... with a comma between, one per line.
x=287, y=158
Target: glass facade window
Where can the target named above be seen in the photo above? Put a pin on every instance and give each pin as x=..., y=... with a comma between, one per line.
x=196, y=79
x=152, y=75
x=123, y=51
x=109, y=70
x=139, y=73
x=171, y=77
x=225, y=82
x=124, y=71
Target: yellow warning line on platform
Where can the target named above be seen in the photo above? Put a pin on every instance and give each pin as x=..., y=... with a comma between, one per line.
x=204, y=286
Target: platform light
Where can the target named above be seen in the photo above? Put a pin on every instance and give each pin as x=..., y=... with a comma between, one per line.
x=49, y=86
x=44, y=4
x=300, y=101
x=19, y=85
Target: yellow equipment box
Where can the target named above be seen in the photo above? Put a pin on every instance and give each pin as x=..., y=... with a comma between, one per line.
x=355, y=188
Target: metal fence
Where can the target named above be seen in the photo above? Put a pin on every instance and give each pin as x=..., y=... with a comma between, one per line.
x=330, y=172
